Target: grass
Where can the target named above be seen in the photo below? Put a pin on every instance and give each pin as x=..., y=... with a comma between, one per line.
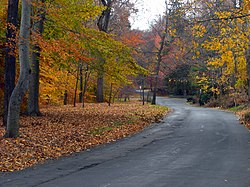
x=237, y=108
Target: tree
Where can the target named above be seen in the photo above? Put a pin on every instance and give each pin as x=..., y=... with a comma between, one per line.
x=102, y=24
x=10, y=56
x=159, y=53
x=25, y=71
x=220, y=50
x=246, y=8
x=33, y=99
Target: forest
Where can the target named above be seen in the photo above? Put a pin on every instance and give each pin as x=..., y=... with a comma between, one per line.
x=74, y=52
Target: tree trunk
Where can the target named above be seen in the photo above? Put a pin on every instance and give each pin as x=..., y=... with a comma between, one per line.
x=248, y=68
x=65, y=97
x=248, y=73
x=86, y=78
x=114, y=96
x=100, y=85
x=159, y=57
x=103, y=20
x=102, y=24
x=110, y=94
x=23, y=81
x=143, y=92
x=33, y=99
x=81, y=84
x=10, y=57
x=77, y=79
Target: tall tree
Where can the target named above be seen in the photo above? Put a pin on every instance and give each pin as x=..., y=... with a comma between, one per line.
x=159, y=54
x=10, y=58
x=20, y=89
x=248, y=68
x=246, y=8
x=102, y=24
x=37, y=29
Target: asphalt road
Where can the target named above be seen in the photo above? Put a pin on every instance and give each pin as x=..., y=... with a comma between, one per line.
x=192, y=147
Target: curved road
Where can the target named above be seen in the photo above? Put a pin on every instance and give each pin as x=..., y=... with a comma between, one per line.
x=192, y=147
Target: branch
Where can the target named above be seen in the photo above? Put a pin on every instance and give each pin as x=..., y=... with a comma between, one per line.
x=104, y=2
x=226, y=18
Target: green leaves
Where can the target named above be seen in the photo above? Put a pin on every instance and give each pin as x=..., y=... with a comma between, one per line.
x=73, y=14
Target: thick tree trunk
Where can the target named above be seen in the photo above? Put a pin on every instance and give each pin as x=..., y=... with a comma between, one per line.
x=103, y=20
x=33, y=99
x=10, y=57
x=65, y=97
x=23, y=81
x=156, y=78
x=110, y=93
x=100, y=85
x=86, y=78
x=102, y=24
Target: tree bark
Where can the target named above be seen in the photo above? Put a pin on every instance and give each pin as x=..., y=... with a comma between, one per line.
x=33, y=99
x=19, y=91
x=159, y=57
x=77, y=79
x=248, y=68
x=100, y=85
x=81, y=84
x=248, y=71
x=10, y=57
x=110, y=93
x=143, y=91
x=86, y=78
x=65, y=97
x=103, y=20
x=102, y=24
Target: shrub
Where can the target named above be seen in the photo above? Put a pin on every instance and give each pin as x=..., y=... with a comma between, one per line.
x=213, y=103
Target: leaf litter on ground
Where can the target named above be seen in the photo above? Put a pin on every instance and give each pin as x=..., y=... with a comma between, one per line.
x=63, y=130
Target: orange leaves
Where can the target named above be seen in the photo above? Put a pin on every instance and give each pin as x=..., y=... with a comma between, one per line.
x=62, y=50
x=132, y=39
x=64, y=130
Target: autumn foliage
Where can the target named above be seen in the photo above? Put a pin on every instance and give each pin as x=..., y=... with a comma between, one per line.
x=64, y=130
x=187, y=51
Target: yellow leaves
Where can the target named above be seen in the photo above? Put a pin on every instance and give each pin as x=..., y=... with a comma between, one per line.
x=199, y=30
x=172, y=33
x=227, y=57
x=3, y=15
x=227, y=48
x=212, y=44
x=215, y=90
x=202, y=81
x=223, y=31
x=246, y=6
x=197, y=53
x=223, y=15
x=215, y=62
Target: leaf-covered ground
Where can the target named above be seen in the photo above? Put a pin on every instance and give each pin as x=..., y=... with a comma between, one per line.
x=243, y=111
x=64, y=130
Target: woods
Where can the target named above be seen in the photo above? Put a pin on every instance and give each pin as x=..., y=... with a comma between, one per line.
x=85, y=51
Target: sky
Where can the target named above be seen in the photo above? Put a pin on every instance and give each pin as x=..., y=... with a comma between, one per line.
x=148, y=11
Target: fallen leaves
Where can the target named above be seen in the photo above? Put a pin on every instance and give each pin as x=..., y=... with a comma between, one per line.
x=64, y=130
x=243, y=113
